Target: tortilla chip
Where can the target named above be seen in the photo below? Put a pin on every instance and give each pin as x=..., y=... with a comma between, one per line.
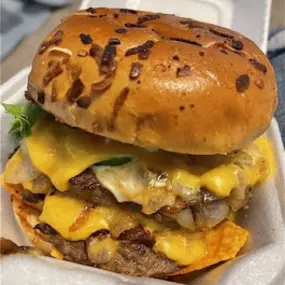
x=223, y=243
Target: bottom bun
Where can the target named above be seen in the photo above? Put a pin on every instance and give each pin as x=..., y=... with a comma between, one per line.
x=27, y=218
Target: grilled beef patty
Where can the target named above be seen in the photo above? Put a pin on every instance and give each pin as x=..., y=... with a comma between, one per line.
x=132, y=256
x=139, y=260
x=85, y=186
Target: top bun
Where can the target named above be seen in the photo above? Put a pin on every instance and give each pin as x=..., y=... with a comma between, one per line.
x=155, y=80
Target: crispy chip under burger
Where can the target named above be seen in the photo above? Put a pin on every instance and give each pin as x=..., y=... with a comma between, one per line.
x=223, y=243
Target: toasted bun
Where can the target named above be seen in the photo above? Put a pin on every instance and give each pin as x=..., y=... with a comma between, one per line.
x=27, y=217
x=192, y=88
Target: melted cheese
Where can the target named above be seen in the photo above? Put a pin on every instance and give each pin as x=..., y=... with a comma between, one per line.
x=28, y=185
x=221, y=180
x=267, y=166
x=74, y=220
x=129, y=183
x=181, y=246
x=56, y=254
x=62, y=152
x=61, y=212
x=186, y=178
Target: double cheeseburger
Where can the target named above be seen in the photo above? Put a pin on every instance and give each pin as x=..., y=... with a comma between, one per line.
x=148, y=143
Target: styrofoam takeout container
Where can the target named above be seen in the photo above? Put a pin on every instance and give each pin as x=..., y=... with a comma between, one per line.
x=263, y=259
x=249, y=17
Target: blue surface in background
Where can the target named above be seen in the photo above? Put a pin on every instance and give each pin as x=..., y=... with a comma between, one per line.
x=18, y=19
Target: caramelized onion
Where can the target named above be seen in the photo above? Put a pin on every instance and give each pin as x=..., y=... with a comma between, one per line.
x=20, y=169
x=100, y=250
x=190, y=194
x=156, y=180
x=41, y=184
x=157, y=200
x=242, y=158
x=209, y=215
x=238, y=198
x=96, y=52
x=80, y=220
x=103, y=84
x=59, y=51
x=122, y=223
x=186, y=220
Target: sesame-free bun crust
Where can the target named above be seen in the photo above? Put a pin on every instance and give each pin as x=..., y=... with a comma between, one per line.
x=200, y=88
x=28, y=217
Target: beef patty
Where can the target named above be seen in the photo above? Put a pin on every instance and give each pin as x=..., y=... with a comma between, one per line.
x=139, y=260
x=132, y=257
x=86, y=186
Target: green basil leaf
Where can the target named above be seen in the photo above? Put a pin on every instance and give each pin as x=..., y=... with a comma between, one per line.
x=115, y=161
x=16, y=129
x=15, y=110
x=25, y=116
x=34, y=113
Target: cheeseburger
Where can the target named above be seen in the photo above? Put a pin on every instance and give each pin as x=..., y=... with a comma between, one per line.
x=141, y=140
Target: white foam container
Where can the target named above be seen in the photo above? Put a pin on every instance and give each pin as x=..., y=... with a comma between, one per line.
x=263, y=259
x=249, y=17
